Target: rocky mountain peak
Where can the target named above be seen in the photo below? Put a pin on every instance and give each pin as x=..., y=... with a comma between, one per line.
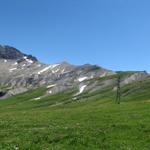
x=8, y=52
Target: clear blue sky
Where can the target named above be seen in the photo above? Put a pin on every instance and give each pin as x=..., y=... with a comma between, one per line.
x=114, y=34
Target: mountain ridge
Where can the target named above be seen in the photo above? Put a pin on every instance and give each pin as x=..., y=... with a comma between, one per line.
x=20, y=72
x=9, y=52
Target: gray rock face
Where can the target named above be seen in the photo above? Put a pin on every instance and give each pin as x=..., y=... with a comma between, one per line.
x=135, y=77
x=20, y=72
x=7, y=52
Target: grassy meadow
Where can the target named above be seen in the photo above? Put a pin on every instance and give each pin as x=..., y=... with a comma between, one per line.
x=91, y=122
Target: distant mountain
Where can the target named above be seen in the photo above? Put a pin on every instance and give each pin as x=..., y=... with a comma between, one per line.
x=8, y=52
x=20, y=72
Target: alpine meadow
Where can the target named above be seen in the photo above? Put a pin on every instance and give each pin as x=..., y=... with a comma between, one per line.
x=74, y=75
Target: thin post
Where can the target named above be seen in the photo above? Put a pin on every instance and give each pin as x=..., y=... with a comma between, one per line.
x=118, y=96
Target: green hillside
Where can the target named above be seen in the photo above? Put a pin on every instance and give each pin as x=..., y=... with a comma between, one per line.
x=91, y=121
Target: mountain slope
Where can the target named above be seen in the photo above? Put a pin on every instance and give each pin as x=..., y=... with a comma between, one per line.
x=62, y=106
x=93, y=121
x=20, y=72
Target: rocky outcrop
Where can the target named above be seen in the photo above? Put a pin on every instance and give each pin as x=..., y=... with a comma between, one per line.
x=8, y=52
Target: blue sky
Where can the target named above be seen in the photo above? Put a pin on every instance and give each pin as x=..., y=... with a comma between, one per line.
x=114, y=34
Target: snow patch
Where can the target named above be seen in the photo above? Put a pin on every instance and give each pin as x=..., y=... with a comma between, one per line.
x=104, y=74
x=37, y=98
x=16, y=148
x=55, y=71
x=43, y=70
x=74, y=98
x=12, y=69
x=50, y=92
x=28, y=60
x=25, y=57
x=50, y=86
x=82, y=88
x=82, y=79
x=15, y=63
x=63, y=71
x=55, y=65
x=23, y=65
x=47, y=68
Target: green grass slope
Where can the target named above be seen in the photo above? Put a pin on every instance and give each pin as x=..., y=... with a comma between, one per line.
x=93, y=121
